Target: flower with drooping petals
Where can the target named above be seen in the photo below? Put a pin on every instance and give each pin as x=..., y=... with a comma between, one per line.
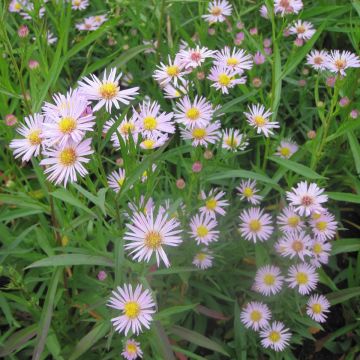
x=268, y=280
x=317, y=307
x=304, y=277
x=218, y=11
x=202, y=229
x=224, y=78
x=255, y=315
x=258, y=118
x=338, y=62
x=132, y=350
x=247, y=191
x=289, y=221
x=148, y=233
x=237, y=59
x=106, y=91
x=202, y=135
x=306, y=198
x=286, y=149
x=275, y=336
x=213, y=203
x=116, y=179
x=233, y=139
x=264, y=12
x=136, y=306
x=203, y=259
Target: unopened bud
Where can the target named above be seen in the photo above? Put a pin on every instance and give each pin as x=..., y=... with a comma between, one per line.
x=180, y=184
x=196, y=167
x=208, y=154
x=311, y=134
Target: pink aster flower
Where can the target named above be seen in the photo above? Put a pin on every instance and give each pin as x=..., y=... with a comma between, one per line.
x=237, y=59
x=286, y=149
x=295, y=244
x=320, y=251
x=213, y=203
x=264, y=12
x=247, y=191
x=275, y=336
x=136, y=309
x=317, y=59
x=268, y=280
x=317, y=307
x=79, y=4
x=116, y=180
x=259, y=58
x=233, y=140
x=203, y=260
x=255, y=225
x=173, y=72
x=194, y=113
x=218, y=11
x=154, y=141
x=194, y=57
x=302, y=29
x=224, y=78
x=258, y=118
x=285, y=7
x=132, y=350
x=324, y=226
x=67, y=161
x=202, y=136
x=306, y=198
x=289, y=221
x=148, y=233
x=202, y=229
x=304, y=277
x=32, y=142
x=17, y=5
x=338, y=62
x=88, y=24
x=255, y=315
x=106, y=91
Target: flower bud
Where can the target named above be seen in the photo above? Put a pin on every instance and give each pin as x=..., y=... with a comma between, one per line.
x=180, y=184
x=256, y=82
x=208, y=154
x=33, y=64
x=354, y=114
x=311, y=134
x=10, y=120
x=23, y=31
x=101, y=275
x=196, y=167
x=200, y=75
x=344, y=101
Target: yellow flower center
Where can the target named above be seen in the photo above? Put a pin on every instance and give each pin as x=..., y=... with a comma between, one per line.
x=193, y=113
x=259, y=120
x=269, y=279
x=153, y=240
x=121, y=181
x=18, y=6
x=177, y=93
x=317, y=248
x=297, y=246
x=232, y=61
x=302, y=278
x=248, y=192
x=211, y=204
x=127, y=128
x=300, y=29
x=340, y=64
x=321, y=225
x=67, y=157
x=199, y=133
x=316, y=308
x=67, y=125
x=173, y=70
x=77, y=2
x=285, y=151
x=274, y=336
x=216, y=11
x=315, y=215
x=255, y=316
x=255, y=225
x=148, y=143
x=108, y=90
x=132, y=309
x=201, y=256
x=293, y=221
x=150, y=123
x=202, y=231
x=34, y=137
x=131, y=349
x=224, y=80
x=231, y=142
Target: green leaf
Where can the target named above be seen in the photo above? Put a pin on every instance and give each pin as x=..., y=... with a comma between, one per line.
x=226, y=174
x=72, y=259
x=198, y=339
x=162, y=342
x=230, y=105
x=346, y=197
x=296, y=167
x=18, y=213
x=46, y=315
x=163, y=314
x=345, y=246
x=341, y=296
x=348, y=127
x=355, y=149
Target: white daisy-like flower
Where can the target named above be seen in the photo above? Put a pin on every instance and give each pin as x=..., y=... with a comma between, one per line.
x=285, y=7
x=197, y=113
x=255, y=225
x=136, y=306
x=324, y=226
x=106, y=91
x=79, y=4
x=203, y=259
x=132, y=350
x=153, y=141
x=152, y=121
x=306, y=198
x=67, y=161
x=218, y=11
x=317, y=59
x=203, y=229
x=259, y=118
x=289, y=221
x=194, y=57
x=172, y=92
x=173, y=72
x=125, y=129
x=213, y=203
x=116, y=179
x=17, y=5
x=275, y=336
x=320, y=251
x=148, y=233
x=233, y=139
x=224, y=78
x=295, y=244
x=268, y=280
x=303, y=29
x=32, y=142
x=317, y=307
x=70, y=122
x=338, y=62
x=202, y=136
x=303, y=276
x=255, y=315
x=237, y=59
x=247, y=191
x=100, y=19
x=286, y=149
x=88, y=24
